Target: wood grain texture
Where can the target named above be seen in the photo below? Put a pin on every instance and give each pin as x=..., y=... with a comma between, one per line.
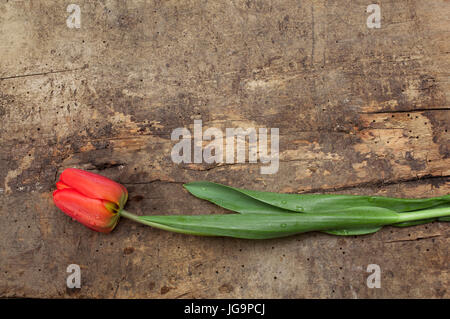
x=360, y=111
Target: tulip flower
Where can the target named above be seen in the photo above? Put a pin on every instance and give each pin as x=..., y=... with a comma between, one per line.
x=91, y=199
x=97, y=202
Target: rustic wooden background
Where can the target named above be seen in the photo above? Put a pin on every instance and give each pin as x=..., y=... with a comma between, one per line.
x=360, y=111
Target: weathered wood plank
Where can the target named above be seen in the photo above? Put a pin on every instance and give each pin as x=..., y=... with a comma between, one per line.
x=361, y=111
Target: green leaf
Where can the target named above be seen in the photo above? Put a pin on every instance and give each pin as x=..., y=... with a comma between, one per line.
x=230, y=198
x=354, y=231
x=263, y=226
x=246, y=201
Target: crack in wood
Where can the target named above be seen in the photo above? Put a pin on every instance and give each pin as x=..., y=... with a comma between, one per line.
x=408, y=111
x=43, y=73
x=377, y=183
x=151, y=182
x=412, y=239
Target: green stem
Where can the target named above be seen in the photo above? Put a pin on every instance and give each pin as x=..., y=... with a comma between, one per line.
x=129, y=215
x=424, y=214
x=138, y=219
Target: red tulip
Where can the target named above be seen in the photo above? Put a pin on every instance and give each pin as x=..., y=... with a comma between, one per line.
x=91, y=199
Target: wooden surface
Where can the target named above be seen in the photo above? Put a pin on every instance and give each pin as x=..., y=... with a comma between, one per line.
x=360, y=111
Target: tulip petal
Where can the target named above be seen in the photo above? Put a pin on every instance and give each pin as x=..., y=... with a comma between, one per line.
x=94, y=185
x=88, y=211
